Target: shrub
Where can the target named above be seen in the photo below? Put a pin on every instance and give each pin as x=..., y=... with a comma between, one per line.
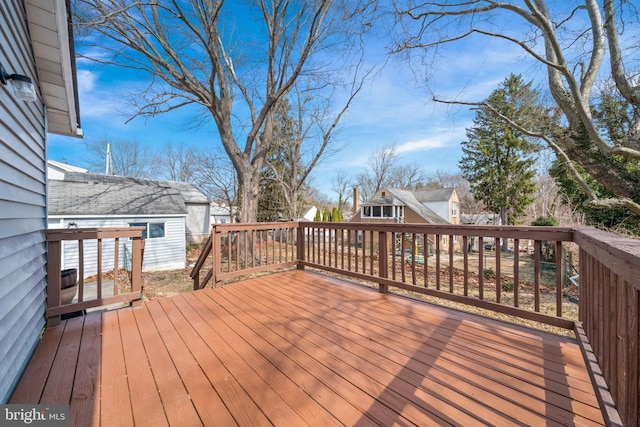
x=545, y=221
x=508, y=286
x=488, y=273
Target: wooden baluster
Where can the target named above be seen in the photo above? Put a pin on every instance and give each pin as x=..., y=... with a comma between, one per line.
x=383, y=260
x=465, y=251
x=413, y=259
x=481, y=267
x=116, y=267
x=80, y=270
x=559, y=279
x=137, y=248
x=450, y=263
x=438, y=237
x=498, y=253
x=516, y=272
x=99, y=285
x=536, y=276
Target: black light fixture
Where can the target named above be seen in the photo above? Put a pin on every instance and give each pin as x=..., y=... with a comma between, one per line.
x=22, y=85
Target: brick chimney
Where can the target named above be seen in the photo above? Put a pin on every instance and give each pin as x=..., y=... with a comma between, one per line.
x=356, y=200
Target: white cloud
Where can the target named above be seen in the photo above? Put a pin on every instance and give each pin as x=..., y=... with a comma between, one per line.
x=421, y=145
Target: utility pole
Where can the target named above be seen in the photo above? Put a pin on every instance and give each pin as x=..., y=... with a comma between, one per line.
x=109, y=161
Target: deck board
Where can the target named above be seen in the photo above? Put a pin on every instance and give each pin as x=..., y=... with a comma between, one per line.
x=300, y=348
x=85, y=402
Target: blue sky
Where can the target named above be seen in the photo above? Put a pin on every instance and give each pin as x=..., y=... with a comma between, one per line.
x=394, y=108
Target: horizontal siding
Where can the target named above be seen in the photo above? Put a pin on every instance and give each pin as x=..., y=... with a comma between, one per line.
x=198, y=227
x=159, y=254
x=22, y=205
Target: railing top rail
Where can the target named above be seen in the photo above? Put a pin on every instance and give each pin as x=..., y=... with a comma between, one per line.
x=57, y=234
x=618, y=253
x=244, y=226
x=524, y=232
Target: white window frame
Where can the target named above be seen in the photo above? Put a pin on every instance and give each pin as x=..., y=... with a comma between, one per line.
x=370, y=211
x=146, y=225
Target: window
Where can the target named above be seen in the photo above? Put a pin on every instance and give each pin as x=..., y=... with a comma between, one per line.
x=152, y=230
x=454, y=209
x=389, y=211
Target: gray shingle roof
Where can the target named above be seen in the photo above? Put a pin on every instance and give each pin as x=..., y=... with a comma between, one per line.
x=94, y=194
x=188, y=191
x=433, y=195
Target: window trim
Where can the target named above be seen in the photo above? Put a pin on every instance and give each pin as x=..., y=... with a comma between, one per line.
x=146, y=225
x=397, y=212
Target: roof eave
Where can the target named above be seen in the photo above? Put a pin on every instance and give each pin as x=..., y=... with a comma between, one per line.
x=52, y=40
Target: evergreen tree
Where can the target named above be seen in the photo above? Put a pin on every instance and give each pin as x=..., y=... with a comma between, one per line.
x=318, y=217
x=336, y=215
x=326, y=214
x=498, y=160
x=280, y=169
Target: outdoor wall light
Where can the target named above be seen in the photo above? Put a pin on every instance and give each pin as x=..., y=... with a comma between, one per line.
x=22, y=85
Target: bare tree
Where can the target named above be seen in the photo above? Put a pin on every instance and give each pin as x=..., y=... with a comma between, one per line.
x=385, y=171
x=444, y=179
x=342, y=187
x=304, y=135
x=215, y=176
x=569, y=40
x=177, y=162
x=193, y=53
x=127, y=158
x=381, y=161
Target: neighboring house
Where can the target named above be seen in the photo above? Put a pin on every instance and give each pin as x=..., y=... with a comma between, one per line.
x=483, y=218
x=196, y=203
x=56, y=170
x=221, y=213
x=439, y=206
x=87, y=203
x=310, y=215
x=35, y=41
x=198, y=226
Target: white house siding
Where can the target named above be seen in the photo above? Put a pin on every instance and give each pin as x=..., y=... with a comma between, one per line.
x=198, y=223
x=166, y=253
x=441, y=208
x=22, y=205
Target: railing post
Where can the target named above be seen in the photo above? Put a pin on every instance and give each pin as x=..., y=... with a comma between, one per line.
x=300, y=247
x=54, y=281
x=216, y=253
x=137, y=251
x=383, y=260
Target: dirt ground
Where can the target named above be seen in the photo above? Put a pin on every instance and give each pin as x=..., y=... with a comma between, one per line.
x=159, y=284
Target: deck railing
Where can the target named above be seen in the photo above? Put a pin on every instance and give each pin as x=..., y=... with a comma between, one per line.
x=609, y=314
x=243, y=249
x=101, y=237
x=465, y=264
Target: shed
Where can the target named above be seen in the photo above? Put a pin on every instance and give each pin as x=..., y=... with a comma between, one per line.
x=92, y=200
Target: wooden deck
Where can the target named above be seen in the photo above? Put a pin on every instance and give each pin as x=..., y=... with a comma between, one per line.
x=299, y=348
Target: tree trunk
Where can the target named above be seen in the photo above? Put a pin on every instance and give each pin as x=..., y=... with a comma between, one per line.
x=249, y=183
x=504, y=243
